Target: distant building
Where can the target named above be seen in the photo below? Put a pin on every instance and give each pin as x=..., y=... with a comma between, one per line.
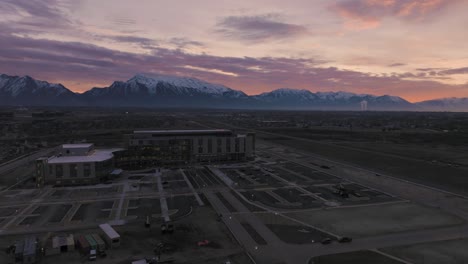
x=155, y=147
x=364, y=105
x=76, y=164
x=7, y=115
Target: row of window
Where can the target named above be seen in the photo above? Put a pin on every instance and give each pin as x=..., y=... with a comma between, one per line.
x=59, y=170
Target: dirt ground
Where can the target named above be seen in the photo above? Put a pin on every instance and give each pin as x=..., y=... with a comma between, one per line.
x=447, y=252
x=138, y=242
x=377, y=219
x=361, y=257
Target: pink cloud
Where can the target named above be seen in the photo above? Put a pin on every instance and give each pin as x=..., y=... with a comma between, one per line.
x=365, y=14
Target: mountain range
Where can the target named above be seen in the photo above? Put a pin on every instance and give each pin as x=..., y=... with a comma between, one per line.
x=170, y=91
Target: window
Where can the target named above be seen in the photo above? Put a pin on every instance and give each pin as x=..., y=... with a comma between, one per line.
x=74, y=170
x=87, y=170
x=51, y=169
x=237, y=144
x=58, y=171
x=210, y=145
x=228, y=144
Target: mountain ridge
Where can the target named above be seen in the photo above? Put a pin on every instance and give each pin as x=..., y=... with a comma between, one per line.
x=155, y=90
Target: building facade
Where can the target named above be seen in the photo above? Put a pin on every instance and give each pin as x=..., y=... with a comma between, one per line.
x=76, y=164
x=155, y=147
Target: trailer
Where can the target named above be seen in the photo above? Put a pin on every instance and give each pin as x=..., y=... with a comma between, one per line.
x=100, y=243
x=86, y=247
x=110, y=235
x=83, y=244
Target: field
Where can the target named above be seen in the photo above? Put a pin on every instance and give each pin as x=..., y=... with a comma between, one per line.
x=436, y=174
x=361, y=257
x=377, y=219
x=447, y=252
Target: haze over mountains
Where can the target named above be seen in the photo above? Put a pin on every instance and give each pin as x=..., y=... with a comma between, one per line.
x=169, y=91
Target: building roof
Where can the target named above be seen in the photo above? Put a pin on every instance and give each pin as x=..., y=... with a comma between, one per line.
x=97, y=155
x=80, y=145
x=110, y=232
x=183, y=132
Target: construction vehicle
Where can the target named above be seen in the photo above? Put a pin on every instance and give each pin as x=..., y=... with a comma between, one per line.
x=163, y=228
x=345, y=239
x=170, y=228
x=167, y=228
x=341, y=191
x=148, y=222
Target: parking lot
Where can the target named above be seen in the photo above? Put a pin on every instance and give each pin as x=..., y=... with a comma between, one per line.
x=287, y=185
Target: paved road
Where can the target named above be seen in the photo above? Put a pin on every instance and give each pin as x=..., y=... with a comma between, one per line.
x=270, y=253
x=22, y=162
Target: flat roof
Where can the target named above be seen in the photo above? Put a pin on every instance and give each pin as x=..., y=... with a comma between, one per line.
x=110, y=232
x=183, y=132
x=97, y=155
x=80, y=145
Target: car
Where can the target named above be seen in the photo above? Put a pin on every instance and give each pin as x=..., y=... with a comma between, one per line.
x=345, y=239
x=203, y=243
x=326, y=241
x=163, y=228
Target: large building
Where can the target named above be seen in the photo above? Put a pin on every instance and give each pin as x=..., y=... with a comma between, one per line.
x=155, y=147
x=75, y=164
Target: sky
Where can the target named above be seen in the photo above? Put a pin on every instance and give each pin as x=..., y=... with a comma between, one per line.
x=416, y=49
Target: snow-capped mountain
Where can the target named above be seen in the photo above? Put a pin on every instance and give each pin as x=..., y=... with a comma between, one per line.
x=286, y=94
x=445, y=104
x=26, y=90
x=171, y=91
x=304, y=99
x=160, y=85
